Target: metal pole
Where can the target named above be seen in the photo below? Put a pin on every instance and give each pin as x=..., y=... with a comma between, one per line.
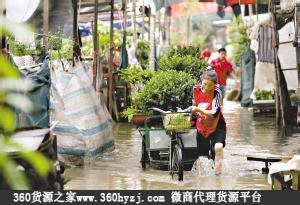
x=46, y=24
x=111, y=64
x=95, y=42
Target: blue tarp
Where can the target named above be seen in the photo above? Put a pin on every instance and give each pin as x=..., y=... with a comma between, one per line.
x=39, y=96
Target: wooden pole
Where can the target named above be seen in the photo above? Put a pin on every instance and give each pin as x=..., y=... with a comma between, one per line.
x=111, y=63
x=284, y=98
x=95, y=43
x=46, y=24
x=76, y=52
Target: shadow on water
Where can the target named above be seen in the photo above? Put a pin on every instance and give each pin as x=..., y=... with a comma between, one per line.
x=121, y=168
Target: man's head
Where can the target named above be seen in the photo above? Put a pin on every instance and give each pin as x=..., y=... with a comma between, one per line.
x=222, y=53
x=208, y=81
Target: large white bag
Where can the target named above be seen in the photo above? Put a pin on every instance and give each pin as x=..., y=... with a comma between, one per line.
x=84, y=130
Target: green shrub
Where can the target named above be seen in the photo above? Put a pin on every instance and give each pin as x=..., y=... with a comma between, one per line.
x=66, y=50
x=192, y=65
x=135, y=75
x=184, y=50
x=166, y=90
x=55, y=39
x=19, y=48
x=238, y=38
x=142, y=53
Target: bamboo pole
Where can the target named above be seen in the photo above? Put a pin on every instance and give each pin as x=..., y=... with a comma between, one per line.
x=76, y=52
x=152, y=41
x=46, y=24
x=111, y=64
x=95, y=43
x=284, y=102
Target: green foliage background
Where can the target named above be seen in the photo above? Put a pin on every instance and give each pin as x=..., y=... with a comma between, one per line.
x=238, y=38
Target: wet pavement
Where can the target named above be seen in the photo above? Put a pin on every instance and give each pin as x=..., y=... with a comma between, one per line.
x=245, y=135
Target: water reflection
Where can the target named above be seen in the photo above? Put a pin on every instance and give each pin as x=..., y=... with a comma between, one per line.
x=121, y=168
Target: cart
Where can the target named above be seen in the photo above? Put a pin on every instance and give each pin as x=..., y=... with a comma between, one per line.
x=158, y=143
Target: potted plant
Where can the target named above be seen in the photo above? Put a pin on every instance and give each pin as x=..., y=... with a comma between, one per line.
x=193, y=65
x=166, y=90
x=135, y=78
x=134, y=115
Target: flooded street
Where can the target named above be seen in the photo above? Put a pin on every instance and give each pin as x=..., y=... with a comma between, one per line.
x=121, y=168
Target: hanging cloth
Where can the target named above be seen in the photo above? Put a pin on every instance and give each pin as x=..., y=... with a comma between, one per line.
x=124, y=54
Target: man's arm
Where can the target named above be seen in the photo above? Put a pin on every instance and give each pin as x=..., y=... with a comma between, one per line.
x=231, y=72
x=233, y=75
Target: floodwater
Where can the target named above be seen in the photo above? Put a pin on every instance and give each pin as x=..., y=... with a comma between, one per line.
x=245, y=135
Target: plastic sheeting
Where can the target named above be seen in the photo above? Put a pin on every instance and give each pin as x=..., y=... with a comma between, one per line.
x=84, y=129
x=39, y=96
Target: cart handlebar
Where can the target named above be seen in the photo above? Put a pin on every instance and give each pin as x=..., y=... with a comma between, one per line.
x=179, y=110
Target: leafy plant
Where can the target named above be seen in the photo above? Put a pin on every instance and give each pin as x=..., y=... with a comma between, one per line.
x=129, y=112
x=9, y=85
x=184, y=50
x=263, y=94
x=55, y=40
x=238, y=38
x=142, y=53
x=135, y=75
x=166, y=90
x=178, y=122
x=19, y=48
x=66, y=50
x=192, y=65
x=104, y=40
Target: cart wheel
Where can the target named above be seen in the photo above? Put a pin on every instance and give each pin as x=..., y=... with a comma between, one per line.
x=145, y=156
x=177, y=164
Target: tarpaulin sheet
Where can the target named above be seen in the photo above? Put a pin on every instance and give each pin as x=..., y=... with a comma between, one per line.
x=84, y=129
x=39, y=96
